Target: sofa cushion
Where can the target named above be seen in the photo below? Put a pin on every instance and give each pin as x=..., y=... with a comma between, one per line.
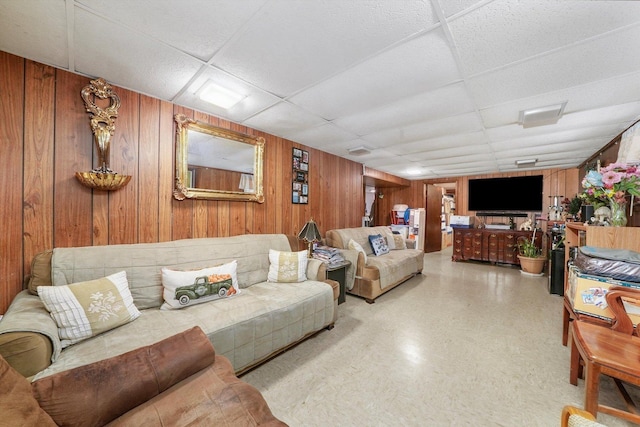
x=17, y=404
x=184, y=288
x=355, y=246
x=40, y=271
x=399, y=242
x=287, y=267
x=85, y=309
x=73, y=398
x=378, y=245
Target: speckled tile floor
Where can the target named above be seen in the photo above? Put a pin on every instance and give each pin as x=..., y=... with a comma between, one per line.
x=462, y=344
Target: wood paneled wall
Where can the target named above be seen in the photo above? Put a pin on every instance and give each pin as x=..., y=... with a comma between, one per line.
x=45, y=138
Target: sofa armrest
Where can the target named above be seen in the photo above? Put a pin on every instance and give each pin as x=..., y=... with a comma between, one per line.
x=27, y=325
x=316, y=270
x=411, y=243
x=357, y=263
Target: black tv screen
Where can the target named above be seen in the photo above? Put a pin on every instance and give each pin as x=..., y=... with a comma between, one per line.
x=516, y=194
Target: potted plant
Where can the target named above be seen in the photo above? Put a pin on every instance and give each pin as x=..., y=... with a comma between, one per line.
x=530, y=255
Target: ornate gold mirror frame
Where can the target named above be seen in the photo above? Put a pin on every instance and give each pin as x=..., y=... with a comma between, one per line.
x=189, y=183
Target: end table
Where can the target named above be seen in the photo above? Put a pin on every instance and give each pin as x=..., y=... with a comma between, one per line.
x=338, y=272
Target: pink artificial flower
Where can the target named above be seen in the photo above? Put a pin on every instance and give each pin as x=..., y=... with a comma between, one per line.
x=609, y=178
x=613, y=167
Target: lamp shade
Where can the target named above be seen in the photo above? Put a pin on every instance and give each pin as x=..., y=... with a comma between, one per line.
x=310, y=232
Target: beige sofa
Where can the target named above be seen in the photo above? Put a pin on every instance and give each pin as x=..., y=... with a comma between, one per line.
x=378, y=274
x=263, y=320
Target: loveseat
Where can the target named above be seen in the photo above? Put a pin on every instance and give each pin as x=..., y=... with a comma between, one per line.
x=263, y=319
x=156, y=385
x=370, y=276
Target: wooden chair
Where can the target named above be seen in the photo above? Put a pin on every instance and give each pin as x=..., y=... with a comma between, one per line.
x=613, y=351
x=575, y=417
x=395, y=219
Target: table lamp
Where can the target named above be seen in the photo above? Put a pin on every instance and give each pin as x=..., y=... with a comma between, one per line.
x=310, y=234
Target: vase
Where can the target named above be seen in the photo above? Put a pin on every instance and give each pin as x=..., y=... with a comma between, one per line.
x=618, y=213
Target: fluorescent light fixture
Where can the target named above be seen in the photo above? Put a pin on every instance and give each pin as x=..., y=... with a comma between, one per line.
x=219, y=96
x=359, y=151
x=526, y=162
x=542, y=115
x=414, y=171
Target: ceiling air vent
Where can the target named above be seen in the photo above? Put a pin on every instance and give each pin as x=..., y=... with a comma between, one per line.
x=359, y=151
x=541, y=116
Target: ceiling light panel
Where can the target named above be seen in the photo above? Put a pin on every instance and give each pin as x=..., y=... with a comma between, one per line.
x=580, y=64
x=385, y=78
x=324, y=27
x=37, y=32
x=133, y=60
x=256, y=100
x=517, y=29
x=541, y=116
x=601, y=93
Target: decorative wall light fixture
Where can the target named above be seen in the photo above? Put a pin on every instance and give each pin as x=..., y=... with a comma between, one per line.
x=103, y=127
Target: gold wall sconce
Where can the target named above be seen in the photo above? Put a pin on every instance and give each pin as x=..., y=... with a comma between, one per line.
x=103, y=127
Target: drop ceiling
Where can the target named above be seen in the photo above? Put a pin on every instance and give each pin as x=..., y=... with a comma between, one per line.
x=429, y=87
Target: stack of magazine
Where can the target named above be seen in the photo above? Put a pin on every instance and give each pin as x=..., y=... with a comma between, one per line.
x=328, y=255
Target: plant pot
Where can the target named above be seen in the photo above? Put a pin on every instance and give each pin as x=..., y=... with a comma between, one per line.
x=532, y=265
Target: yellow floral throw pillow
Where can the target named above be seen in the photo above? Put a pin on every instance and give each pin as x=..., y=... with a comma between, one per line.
x=85, y=309
x=287, y=267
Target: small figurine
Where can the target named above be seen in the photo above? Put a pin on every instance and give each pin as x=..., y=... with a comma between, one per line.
x=527, y=225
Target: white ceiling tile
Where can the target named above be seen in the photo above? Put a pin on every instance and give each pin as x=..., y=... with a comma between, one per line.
x=283, y=119
x=458, y=141
x=446, y=101
x=292, y=45
x=451, y=7
x=597, y=59
x=505, y=31
x=324, y=134
x=134, y=61
x=418, y=65
x=36, y=30
x=463, y=123
x=200, y=29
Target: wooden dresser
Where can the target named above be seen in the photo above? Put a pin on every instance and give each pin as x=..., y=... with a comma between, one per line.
x=496, y=246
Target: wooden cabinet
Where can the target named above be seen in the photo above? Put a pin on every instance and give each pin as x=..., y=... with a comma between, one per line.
x=495, y=246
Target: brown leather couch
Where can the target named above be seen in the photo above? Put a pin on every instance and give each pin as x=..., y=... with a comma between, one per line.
x=177, y=381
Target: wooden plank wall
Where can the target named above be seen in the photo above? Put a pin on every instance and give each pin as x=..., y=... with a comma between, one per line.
x=45, y=138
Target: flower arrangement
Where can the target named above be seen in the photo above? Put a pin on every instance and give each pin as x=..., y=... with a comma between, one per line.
x=611, y=184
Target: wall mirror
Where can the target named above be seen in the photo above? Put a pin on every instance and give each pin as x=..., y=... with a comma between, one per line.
x=217, y=164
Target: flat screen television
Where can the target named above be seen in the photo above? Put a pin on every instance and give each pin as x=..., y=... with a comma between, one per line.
x=516, y=194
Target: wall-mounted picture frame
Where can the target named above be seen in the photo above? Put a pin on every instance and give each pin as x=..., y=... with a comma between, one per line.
x=300, y=181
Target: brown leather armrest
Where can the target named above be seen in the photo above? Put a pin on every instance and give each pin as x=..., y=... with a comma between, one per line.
x=97, y=393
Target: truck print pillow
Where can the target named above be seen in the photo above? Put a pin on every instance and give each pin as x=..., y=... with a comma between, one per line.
x=184, y=288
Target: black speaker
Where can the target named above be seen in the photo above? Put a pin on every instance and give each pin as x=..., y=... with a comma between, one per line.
x=586, y=212
x=556, y=272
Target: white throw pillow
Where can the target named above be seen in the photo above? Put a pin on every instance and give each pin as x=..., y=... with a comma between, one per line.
x=85, y=309
x=355, y=246
x=398, y=242
x=184, y=288
x=287, y=267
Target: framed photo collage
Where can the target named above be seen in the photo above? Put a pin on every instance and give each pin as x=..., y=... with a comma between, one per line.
x=300, y=185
